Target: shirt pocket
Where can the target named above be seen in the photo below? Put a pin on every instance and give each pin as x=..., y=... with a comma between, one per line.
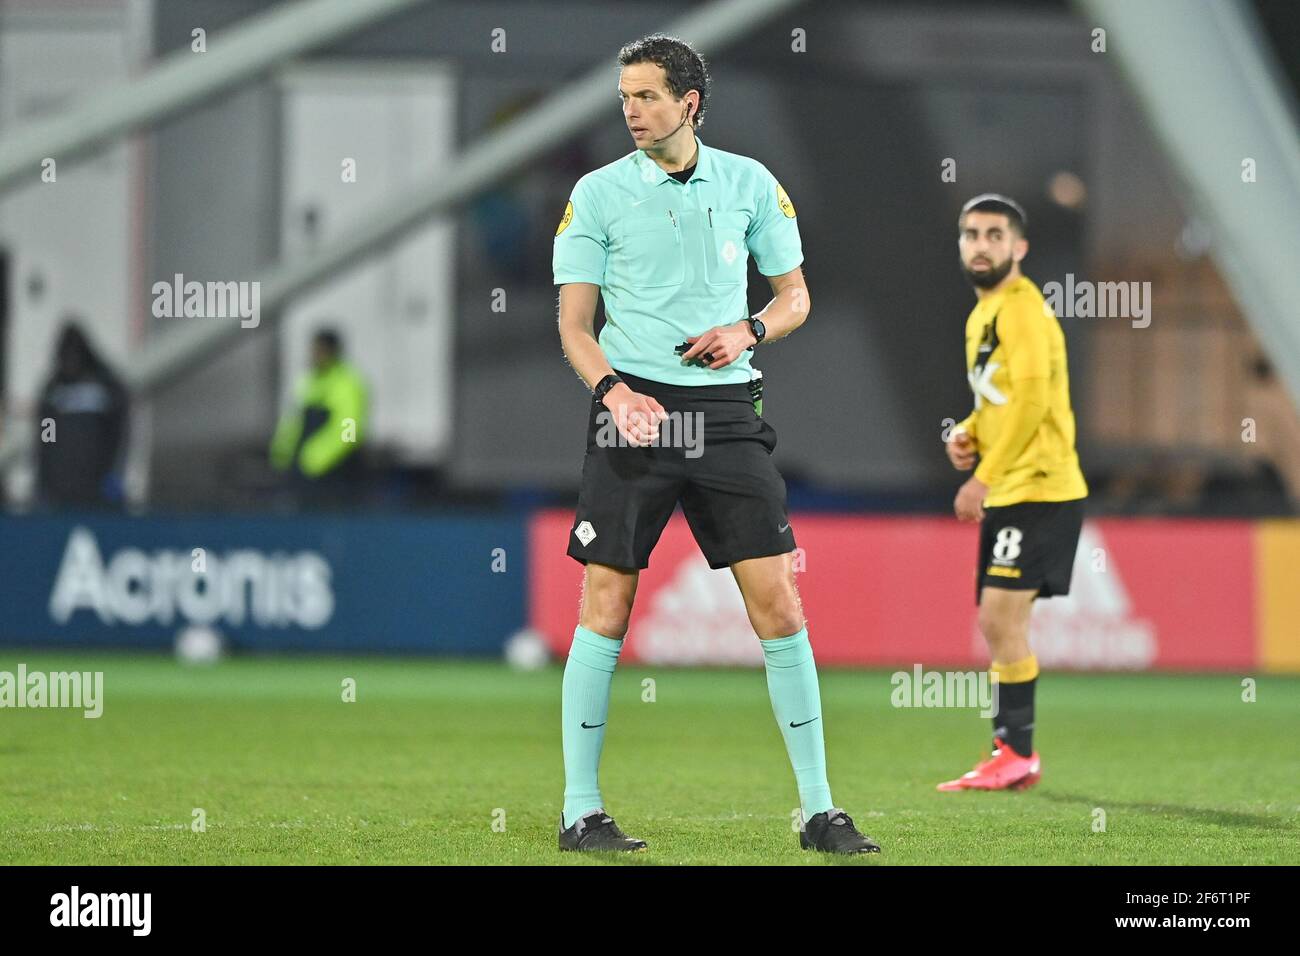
x=726, y=257
x=649, y=254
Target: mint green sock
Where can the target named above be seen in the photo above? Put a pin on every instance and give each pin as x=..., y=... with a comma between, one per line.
x=585, y=710
x=796, y=699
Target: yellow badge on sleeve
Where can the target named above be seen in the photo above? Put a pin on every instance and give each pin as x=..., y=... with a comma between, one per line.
x=784, y=202
x=568, y=218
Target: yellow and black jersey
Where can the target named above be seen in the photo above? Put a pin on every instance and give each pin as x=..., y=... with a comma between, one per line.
x=1023, y=425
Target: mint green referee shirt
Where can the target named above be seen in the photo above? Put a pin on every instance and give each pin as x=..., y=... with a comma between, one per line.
x=672, y=258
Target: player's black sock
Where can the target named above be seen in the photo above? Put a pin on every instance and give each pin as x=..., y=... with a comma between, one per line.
x=1014, y=721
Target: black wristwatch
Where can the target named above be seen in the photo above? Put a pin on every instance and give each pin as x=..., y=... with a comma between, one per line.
x=604, y=385
x=759, y=329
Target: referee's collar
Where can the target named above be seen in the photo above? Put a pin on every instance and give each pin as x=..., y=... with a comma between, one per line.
x=654, y=173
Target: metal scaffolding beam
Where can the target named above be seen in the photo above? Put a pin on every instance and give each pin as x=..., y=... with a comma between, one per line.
x=547, y=126
x=561, y=116
x=1205, y=80
x=183, y=78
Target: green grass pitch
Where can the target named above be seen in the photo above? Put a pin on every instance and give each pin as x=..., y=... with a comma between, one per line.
x=458, y=762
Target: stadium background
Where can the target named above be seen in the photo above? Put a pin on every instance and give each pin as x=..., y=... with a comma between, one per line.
x=361, y=711
x=1189, y=433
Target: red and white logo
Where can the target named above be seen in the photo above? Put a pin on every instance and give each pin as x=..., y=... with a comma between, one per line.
x=696, y=617
x=1093, y=627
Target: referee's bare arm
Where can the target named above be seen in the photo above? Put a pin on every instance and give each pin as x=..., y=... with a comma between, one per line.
x=787, y=311
x=636, y=416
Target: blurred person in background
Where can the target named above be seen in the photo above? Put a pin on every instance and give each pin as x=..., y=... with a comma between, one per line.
x=82, y=424
x=318, y=437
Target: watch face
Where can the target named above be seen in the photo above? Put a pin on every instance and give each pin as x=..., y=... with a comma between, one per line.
x=760, y=329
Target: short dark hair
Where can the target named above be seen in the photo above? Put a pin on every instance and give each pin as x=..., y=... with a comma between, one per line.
x=686, y=69
x=995, y=202
x=330, y=339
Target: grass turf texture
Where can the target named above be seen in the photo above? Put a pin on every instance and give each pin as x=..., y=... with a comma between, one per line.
x=413, y=771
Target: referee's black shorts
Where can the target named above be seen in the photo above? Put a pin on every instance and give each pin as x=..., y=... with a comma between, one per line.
x=714, y=456
x=1029, y=546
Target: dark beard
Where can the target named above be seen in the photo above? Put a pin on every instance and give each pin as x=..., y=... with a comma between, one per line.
x=989, y=278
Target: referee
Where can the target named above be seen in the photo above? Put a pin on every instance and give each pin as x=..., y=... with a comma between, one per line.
x=664, y=234
x=1027, y=493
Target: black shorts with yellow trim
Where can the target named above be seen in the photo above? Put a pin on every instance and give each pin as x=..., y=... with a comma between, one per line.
x=1029, y=546
x=714, y=458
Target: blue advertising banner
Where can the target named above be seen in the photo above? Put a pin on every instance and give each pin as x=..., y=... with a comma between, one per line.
x=444, y=585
